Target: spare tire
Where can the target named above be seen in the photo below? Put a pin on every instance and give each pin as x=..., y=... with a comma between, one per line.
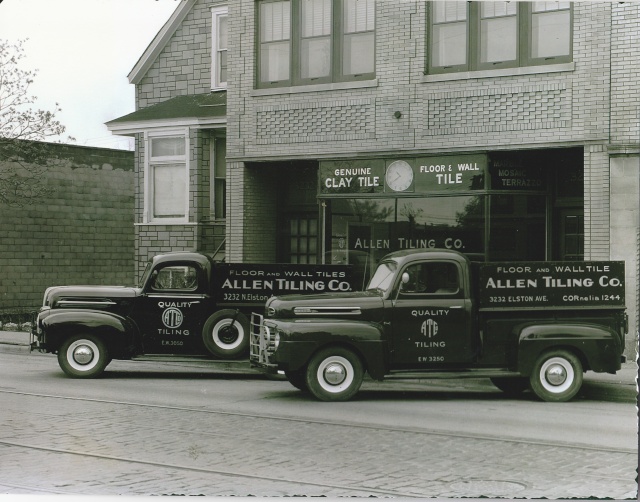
x=226, y=334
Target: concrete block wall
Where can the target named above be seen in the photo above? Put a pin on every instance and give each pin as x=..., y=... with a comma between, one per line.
x=82, y=234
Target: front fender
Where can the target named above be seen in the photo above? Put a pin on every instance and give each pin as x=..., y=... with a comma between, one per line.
x=300, y=339
x=116, y=331
x=597, y=346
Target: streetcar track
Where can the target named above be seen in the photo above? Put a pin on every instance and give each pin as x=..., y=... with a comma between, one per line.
x=220, y=472
x=336, y=423
x=48, y=491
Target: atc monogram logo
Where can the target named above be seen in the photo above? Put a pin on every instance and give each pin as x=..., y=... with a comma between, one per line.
x=430, y=328
x=172, y=318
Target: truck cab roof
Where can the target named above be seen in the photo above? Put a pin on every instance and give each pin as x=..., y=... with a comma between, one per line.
x=410, y=255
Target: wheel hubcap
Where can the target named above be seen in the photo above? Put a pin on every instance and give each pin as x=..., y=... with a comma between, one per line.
x=83, y=354
x=335, y=374
x=556, y=374
x=228, y=334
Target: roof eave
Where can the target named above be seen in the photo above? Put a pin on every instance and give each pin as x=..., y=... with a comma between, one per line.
x=136, y=127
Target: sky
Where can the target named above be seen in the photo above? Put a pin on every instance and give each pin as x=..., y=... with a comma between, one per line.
x=83, y=51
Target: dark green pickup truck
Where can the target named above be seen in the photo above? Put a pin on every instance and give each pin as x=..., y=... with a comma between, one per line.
x=186, y=307
x=434, y=314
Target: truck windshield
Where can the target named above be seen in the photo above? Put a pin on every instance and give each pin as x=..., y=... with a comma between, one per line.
x=145, y=275
x=382, y=279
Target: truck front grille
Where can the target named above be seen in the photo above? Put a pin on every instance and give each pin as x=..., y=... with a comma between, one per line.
x=261, y=345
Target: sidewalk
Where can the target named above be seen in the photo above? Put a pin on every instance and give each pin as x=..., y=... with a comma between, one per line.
x=18, y=342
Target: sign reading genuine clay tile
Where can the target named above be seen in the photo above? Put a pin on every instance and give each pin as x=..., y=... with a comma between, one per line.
x=450, y=173
x=352, y=176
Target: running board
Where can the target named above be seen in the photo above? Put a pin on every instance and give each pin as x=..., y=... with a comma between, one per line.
x=442, y=374
x=169, y=358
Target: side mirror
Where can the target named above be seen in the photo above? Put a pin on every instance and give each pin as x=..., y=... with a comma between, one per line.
x=403, y=280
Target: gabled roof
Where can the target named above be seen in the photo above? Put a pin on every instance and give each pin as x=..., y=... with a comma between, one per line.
x=209, y=109
x=158, y=43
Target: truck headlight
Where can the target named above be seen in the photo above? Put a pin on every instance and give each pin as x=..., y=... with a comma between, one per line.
x=276, y=341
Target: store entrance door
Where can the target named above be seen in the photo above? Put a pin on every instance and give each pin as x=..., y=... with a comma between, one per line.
x=571, y=238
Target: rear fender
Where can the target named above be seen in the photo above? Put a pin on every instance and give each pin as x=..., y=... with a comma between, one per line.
x=598, y=347
x=365, y=339
x=117, y=332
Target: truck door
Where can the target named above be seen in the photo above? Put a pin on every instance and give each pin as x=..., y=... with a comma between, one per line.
x=172, y=310
x=431, y=321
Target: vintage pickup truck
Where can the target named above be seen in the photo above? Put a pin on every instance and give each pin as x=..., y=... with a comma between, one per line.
x=434, y=314
x=187, y=306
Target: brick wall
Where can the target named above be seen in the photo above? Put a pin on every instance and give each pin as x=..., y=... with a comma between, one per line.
x=200, y=233
x=596, y=203
x=625, y=151
x=492, y=111
x=184, y=65
x=624, y=228
x=82, y=234
x=625, y=73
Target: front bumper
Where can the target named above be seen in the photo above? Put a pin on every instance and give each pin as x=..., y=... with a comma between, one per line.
x=261, y=345
x=37, y=341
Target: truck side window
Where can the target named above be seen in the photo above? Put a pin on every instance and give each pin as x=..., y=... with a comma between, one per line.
x=432, y=278
x=175, y=277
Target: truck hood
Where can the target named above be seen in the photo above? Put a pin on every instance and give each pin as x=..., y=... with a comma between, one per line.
x=361, y=305
x=89, y=297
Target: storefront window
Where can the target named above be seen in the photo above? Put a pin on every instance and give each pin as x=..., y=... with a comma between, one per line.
x=497, y=206
x=517, y=228
x=364, y=230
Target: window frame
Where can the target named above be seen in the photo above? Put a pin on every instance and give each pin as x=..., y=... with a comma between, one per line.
x=170, y=267
x=524, y=34
x=336, y=42
x=150, y=165
x=217, y=184
x=217, y=13
x=425, y=293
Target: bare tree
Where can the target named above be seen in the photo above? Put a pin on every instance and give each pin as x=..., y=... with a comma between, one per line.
x=24, y=158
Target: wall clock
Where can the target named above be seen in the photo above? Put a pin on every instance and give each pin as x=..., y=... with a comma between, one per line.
x=399, y=176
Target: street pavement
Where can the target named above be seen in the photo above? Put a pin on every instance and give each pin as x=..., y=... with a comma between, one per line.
x=207, y=457
x=18, y=342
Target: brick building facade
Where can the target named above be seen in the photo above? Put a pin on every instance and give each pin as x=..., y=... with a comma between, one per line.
x=549, y=146
x=80, y=234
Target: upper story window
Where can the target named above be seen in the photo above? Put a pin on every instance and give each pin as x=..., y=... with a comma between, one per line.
x=166, y=179
x=467, y=36
x=219, y=49
x=315, y=41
